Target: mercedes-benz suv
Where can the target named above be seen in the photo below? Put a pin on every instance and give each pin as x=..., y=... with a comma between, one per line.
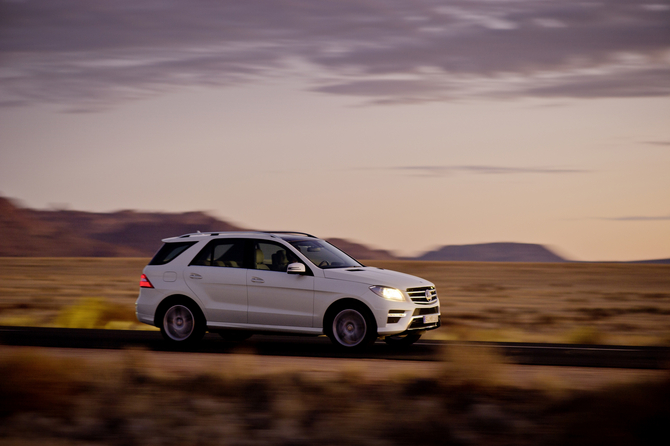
x=241, y=283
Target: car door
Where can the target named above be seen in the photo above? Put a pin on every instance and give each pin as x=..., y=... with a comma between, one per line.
x=275, y=297
x=218, y=276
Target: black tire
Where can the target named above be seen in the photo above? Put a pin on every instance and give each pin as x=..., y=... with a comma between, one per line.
x=402, y=339
x=352, y=327
x=182, y=323
x=235, y=335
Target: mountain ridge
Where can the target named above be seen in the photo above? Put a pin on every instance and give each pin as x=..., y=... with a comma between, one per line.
x=69, y=233
x=28, y=232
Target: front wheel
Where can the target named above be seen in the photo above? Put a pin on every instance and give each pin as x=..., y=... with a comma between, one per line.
x=405, y=339
x=182, y=324
x=351, y=328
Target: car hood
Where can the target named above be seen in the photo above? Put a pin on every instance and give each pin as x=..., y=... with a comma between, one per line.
x=376, y=276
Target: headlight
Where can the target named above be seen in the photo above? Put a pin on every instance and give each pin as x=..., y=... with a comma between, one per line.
x=388, y=293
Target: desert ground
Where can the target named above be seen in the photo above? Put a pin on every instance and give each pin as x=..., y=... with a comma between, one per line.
x=593, y=303
x=467, y=396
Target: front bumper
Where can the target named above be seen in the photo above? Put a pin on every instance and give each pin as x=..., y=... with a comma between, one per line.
x=411, y=320
x=419, y=324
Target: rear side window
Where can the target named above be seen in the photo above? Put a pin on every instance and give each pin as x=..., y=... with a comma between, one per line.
x=225, y=252
x=169, y=252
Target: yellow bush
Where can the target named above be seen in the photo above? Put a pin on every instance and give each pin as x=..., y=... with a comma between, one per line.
x=585, y=335
x=94, y=312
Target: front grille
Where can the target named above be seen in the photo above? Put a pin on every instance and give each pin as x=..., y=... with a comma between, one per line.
x=422, y=311
x=418, y=295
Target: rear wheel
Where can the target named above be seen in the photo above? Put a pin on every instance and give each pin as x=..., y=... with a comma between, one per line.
x=352, y=328
x=402, y=339
x=182, y=323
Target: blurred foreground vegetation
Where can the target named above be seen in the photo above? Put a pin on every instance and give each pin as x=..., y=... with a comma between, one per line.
x=519, y=302
x=54, y=398
x=85, y=292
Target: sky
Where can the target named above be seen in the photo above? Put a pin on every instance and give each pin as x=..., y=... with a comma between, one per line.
x=404, y=125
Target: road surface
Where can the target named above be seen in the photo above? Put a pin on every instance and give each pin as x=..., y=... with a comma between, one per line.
x=320, y=347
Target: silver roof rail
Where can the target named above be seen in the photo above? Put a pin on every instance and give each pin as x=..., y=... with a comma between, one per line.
x=213, y=233
x=290, y=232
x=193, y=234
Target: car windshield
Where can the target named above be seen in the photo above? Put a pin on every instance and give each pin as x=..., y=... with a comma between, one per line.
x=323, y=254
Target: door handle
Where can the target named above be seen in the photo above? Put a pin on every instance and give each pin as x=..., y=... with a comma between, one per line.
x=257, y=280
x=195, y=276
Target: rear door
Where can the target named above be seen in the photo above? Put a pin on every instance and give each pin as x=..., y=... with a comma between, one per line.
x=275, y=297
x=218, y=276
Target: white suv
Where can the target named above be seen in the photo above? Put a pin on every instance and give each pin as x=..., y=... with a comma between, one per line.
x=241, y=283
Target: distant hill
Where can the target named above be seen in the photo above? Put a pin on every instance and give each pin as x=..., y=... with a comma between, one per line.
x=493, y=252
x=63, y=233
x=140, y=232
x=66, y=233
x=23, y=234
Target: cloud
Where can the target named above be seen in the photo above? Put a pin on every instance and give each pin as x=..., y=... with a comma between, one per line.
x=438, y=171
x=93, y=54
x=658, y=143
x=640, y=218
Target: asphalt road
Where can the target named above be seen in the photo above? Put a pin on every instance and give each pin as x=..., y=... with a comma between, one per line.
x=428, y=350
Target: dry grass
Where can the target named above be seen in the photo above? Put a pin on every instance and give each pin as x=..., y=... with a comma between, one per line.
x=30, y=381
x=119, y=398
x=70, y=292
x=544, y=302
x=534, y=302
x=473, y=366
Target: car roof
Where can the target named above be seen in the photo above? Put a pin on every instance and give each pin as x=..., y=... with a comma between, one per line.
x=231, y=234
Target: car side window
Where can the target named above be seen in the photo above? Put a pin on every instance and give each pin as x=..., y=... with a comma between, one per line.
x=222, y=253
x=272, y=256
x=169, y=252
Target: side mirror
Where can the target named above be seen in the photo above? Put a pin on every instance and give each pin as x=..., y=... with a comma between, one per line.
x=296, y=268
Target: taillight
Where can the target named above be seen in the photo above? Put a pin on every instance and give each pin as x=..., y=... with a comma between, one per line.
x=144, y=282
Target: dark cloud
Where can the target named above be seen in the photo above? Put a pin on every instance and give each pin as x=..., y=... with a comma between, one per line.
x=658, y=143
x=625, y=83
x=434, y=171
x=94, y=53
